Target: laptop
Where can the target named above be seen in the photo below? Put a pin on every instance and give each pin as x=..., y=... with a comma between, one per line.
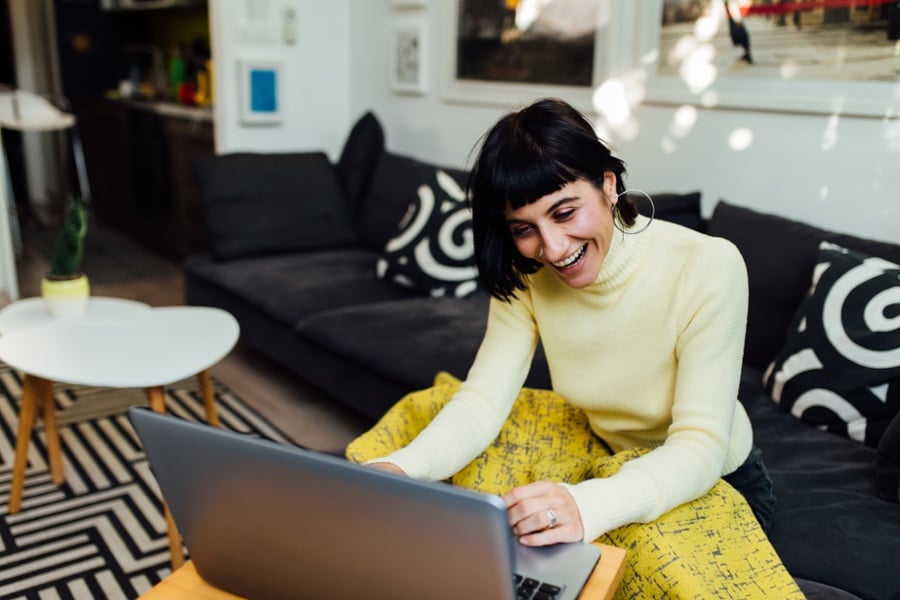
x=268, y=521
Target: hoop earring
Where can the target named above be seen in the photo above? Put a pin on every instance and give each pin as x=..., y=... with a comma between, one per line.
x=617, y=218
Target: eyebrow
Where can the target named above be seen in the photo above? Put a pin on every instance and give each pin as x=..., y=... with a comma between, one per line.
x=552, y=208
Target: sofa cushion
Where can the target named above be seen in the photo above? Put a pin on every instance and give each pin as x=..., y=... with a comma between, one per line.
x=830, y=526
x=780, y=256
x=394, y=186
x=411, y=340
x=683, y=209
x=360, y=156
x=432, y=247
x=840, y=367
x=887, y=471
x=265, y=203
x=290, y=287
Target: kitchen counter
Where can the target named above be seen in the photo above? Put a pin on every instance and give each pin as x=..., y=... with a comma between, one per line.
x=170, y=109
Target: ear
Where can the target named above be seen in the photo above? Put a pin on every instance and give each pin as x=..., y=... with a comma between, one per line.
x=609, y=187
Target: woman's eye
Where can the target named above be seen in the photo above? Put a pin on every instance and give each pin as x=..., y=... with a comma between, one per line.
x=564, y=214
x=521, y=230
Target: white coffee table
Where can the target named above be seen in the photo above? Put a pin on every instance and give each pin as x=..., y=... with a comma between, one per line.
x=117, y=343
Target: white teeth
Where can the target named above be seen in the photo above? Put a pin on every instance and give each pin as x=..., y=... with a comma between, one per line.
x=570, y=259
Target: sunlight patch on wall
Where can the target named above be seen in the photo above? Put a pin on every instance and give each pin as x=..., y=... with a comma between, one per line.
x=740, y=139
x=892, y=134
x=683, y=120
x=611, y=101
x=668, y=145
x=615, y=100
x=830, y=135
x=698, y=70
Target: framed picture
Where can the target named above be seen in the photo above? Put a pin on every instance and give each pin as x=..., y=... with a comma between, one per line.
x=834, y=57
x=408, y=3
x=408, y=63
x=260, y=90
x=508, y=53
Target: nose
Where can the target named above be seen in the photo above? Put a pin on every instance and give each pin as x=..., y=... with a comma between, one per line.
x=553, y=245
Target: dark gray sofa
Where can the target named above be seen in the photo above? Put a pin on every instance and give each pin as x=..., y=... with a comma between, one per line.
x=295, y=246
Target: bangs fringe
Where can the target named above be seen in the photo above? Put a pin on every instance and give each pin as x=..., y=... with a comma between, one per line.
x=525, y=175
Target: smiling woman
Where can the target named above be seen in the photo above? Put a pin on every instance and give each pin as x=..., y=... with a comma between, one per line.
x=642, y=323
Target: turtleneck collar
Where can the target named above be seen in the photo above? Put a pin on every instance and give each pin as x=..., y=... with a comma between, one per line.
x=623, y=256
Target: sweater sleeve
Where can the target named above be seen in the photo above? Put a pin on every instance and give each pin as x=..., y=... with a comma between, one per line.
x=475, y=414
x=712, y=303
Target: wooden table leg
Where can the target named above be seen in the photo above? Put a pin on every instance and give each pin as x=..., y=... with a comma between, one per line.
x=157, y=398
x=176, y=551
x=54, y=452
x=27, y=415
x=209, y=400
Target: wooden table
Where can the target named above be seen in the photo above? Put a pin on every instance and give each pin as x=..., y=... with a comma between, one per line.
x=186, y=583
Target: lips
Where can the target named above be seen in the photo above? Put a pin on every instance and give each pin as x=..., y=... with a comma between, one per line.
x=571, y=259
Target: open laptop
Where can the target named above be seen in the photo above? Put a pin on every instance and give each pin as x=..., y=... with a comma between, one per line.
x=268, y=521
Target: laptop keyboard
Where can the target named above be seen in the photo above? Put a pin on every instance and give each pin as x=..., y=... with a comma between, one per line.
x=532, y=589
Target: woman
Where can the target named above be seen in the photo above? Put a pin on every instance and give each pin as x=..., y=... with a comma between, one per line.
x=643, y=329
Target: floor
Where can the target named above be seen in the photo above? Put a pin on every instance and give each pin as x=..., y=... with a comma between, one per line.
x=302, y=412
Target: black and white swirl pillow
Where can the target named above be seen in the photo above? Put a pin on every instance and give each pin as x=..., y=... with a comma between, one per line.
x=840, y=367
x=432, y=248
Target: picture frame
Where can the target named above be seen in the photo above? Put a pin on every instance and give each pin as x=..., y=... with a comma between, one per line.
x=260, y=88
x=607, y=44
x=789, y=72
x=408, y=65
x=400, y=4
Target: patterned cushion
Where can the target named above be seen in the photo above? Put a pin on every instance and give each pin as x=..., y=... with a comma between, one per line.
x=840, y=367
x=432, y=248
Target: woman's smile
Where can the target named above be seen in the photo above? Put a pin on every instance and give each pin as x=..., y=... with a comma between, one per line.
x=572, y=261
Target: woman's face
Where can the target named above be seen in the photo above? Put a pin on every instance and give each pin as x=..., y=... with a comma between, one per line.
x=569, y=230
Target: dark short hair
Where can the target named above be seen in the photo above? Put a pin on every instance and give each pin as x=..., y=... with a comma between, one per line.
x=525, y=156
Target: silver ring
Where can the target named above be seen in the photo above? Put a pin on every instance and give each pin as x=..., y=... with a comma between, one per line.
x=552, y=516
x=540, y=252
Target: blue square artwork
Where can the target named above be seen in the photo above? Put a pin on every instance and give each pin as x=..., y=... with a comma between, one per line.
x=263, y=91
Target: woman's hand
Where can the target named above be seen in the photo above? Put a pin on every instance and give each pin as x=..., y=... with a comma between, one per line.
x=389, y=467
x=544, y=513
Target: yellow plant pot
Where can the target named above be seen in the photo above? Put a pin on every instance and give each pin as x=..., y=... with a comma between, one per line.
x=66, y=297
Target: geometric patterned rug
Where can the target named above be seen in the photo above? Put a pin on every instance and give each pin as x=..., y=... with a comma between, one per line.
x=102, y=533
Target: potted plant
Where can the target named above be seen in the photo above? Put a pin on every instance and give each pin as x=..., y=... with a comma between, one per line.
x=65, y=288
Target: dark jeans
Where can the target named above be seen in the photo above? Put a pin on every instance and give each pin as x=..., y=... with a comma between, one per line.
x=752, y=480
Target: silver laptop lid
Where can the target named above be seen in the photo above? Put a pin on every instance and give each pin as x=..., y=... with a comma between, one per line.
x=264, y=520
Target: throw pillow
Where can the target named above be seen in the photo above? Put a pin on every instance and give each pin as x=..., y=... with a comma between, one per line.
x=432, y=248
x=780, y=254
x=359, y=157
x=265, y=203
x=683, y=209
x=840, y=367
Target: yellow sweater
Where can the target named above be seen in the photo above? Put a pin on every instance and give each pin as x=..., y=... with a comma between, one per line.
x=651, y=352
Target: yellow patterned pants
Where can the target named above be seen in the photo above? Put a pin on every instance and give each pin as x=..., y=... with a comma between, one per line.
x=712, y=547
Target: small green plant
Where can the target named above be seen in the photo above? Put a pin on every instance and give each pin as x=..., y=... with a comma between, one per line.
x=70, y=243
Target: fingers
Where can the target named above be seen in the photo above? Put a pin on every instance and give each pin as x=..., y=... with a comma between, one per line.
x=386, y=466
x=544, y=513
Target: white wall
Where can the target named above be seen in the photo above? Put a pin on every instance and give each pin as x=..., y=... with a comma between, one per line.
x=840, y=173
x=315, y=72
